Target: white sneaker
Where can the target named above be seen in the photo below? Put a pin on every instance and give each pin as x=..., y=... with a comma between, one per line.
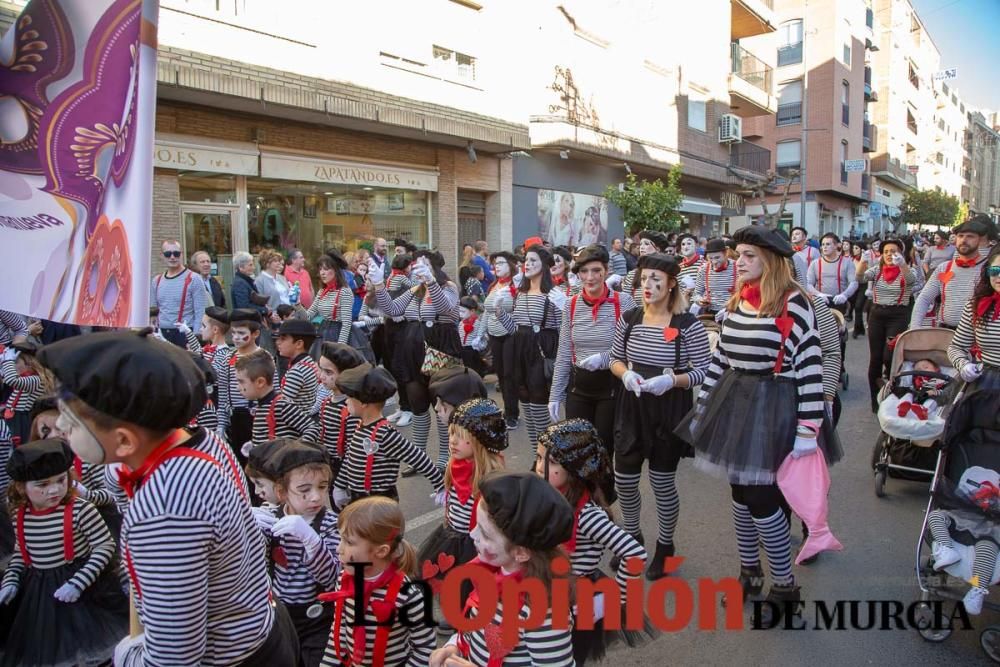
x=944, y=556
x=394, y=417
x=973, y=600
x=404, y=419
x=393, y=400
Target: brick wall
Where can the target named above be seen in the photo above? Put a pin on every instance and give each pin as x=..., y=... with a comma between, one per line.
x=166, y=216
x=444, y=226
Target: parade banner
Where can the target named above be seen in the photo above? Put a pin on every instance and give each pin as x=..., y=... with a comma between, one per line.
x=77, y=98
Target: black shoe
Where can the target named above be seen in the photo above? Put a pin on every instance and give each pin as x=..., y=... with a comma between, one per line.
x=751, y=580
x=779, y=595
x=656, y=570
x=407, y=471
x=512, y=423
x=810, y=560
x=616, y=561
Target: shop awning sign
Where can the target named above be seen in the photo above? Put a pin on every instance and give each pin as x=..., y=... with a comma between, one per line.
x=320, y=170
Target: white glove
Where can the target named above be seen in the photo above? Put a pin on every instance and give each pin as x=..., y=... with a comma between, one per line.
x=803, y=446
x=695, y=309
x=613, y=281
x=360, y=324
x=376, y=274
x=67, y=593
x=183, y=328
x=341, y=497
x=82, y=490
x=591, y=363
x=554, y=407
x=558, y=298
x=840, y=299
x=687, y=282
x=439, y=498
x=126, y=646
x=246, y=448
x=632, y=382
x=423, y=273
x=970, y=371
x=264, y=519
x=295, y=527
x=899, y=260
x=721, y=316
x=659, y=385
x=8, y=593
x=9, y=354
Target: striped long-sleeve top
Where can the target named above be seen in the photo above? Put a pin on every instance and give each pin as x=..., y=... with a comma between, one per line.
x=832, y=278
x=12, y=325
x=46, y=548
x=26, y=388
x=985, y=337
x=476, y=337
x=581, y=335
x=716, y=285
x=542, y=645
x=274, y=416
x=954, y=285
x=6, y=449
x=458, y=515
x=630, y=284
x=227, y=387
x=196, y=560
x=439, y=304
x=300, y=383
x=751, y=343
x=93, y=477
x=388, y=449
x=207, y=351
x=618, y=263
x=409, y=645
x=690, y=268
x=647, y=346
x=336, y=426
x=297, y=579
x=501, y=294
x=897, y=292
x=829, y=343
x=595, y=532
x=333, y=305
x=172, y=293
x=531, y=310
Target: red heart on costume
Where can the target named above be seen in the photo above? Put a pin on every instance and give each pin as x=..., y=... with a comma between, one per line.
x=429, y=570
x=670, y=333
x=945, y=277
x=279, y=556
x=382, y=610
x=784, y=325
x=494, y=643
x=445, y=562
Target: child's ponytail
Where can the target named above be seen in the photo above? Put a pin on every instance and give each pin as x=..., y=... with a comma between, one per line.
x=405, y=558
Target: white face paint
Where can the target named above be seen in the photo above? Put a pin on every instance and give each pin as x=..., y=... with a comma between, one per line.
x=463, y=312
x=241, y=337
x=646, y=247
x=501, y=267
x=798, y=237
x=559, y=267
x=492, y=546
x=81, y=439
x=655, y=286
x=688, y=247
x=718, y=259
x=532, y=265
x=829, y=247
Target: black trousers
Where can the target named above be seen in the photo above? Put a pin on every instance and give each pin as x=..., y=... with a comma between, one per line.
x=859, y=310
x=281, y=646
x=503, y=363
x=591, y=396
x=884, y=324
x=175, y=336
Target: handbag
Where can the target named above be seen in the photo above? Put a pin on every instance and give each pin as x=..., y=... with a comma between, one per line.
x=436, y=360
x=548, y=365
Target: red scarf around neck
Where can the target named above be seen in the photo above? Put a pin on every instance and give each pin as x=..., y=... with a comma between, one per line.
x=462, y=472
x=966, y=263
x=890, y=272
x=468, y=325
x=595, y=305
x=689, y=261
x=750, y=292
x=987, y=303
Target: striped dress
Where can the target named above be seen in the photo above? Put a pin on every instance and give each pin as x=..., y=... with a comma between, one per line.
x=954, y=286
x=595, y=532
x=717, y=286
x=196, y=561
x=274, y=416
x=300, y=383
x=389, y=449
x=298, y=580
x=985, y=337
x=895, y=293
x=333, y=305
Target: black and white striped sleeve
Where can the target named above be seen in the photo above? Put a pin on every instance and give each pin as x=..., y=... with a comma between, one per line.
x=564, y=362
x=87, y=520
x=421, y=639
x=290, y=415
x=718, y=365
x=598, y=526
x=960, y=348
x=29, y=384
x=398, y=448
x=14, y=324
x=829, y=342
x=393, y=307
x=445, y=300
x=807, y=362
x=699, y=352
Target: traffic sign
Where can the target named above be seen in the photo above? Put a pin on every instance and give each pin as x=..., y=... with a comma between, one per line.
x=855, y=165
x=946, y=74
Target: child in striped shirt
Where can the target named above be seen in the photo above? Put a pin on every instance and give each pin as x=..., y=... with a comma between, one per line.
x=336, y=425
x=274, y=416
x=28, y=381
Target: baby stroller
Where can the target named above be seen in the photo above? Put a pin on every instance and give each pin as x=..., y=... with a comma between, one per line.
x=712, y=328
x=906, y=448
x=970, y=443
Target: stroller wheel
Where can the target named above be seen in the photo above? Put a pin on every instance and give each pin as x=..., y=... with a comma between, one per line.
x=880, y=483
x=989, y=639
x=931, y=629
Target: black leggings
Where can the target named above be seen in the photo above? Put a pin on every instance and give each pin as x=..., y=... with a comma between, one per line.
x=591, y=396
x=418, y=396
x=762, y=501
x=884, y=324
x=503, y=364
x=859, y=310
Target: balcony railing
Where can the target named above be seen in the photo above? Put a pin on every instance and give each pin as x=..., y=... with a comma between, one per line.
x=789, y=114
x=748, y=156
x=845, y=114
x=868, y=137
x=750, y=68
x=790, y=54
x=888, y=167
x=866, y=184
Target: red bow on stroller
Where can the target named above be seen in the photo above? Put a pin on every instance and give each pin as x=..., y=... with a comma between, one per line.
x=987, y=495
x=906, y=407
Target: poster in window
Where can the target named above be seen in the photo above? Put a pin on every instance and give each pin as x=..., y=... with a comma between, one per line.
x=309, y=206
x=571, y=218
x=395, y=201
x=343, y=206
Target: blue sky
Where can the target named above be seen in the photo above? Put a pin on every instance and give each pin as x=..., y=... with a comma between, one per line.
x=966, y=34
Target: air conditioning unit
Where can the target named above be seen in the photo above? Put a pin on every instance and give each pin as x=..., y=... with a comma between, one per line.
x=730, y=129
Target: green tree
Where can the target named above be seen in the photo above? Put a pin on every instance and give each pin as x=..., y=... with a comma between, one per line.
x=649, y=204
x=929, y=208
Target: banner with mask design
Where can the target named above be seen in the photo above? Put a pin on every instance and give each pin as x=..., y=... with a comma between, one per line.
x=77, y=98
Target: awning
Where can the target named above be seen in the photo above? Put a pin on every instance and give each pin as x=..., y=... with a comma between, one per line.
x=703, y=206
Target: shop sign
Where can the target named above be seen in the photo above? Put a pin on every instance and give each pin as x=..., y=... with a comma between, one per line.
x=304, y=168
x=732, y=203
x=182, y=155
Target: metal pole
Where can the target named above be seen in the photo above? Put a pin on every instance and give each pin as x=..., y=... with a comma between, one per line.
x=805, y=120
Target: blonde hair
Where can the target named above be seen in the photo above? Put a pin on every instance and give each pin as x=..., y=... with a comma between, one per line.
x=379, y=520
x=485, y=460
x=267, y=256
x=46, y=376
x=776, y=282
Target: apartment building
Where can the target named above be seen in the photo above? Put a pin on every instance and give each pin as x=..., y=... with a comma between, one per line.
x=983, y=164
x=821, y=123
x=942, y=167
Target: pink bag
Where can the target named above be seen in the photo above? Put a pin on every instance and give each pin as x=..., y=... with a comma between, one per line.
x=805, y=482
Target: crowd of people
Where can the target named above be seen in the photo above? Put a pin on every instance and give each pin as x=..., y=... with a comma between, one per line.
x=234, y=470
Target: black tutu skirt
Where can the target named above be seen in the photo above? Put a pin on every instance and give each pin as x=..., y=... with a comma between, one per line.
x=592, y=645
x=646, y=423
x=450, y=542
x=407, y=353
x=745, y=428
x=529, y=351
x=46, y=632
x=19, y=426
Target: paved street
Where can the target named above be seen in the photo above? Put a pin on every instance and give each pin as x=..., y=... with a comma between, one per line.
x=879, y=536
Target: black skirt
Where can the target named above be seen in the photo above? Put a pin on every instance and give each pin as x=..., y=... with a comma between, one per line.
x=407, y=353
x=450, y=542
x=19, y=426
x=313, y=633
x=48, y=632
x=529, y=351
x=745, y=428
x=329, y=332
x=645, y=422
x=592, y=645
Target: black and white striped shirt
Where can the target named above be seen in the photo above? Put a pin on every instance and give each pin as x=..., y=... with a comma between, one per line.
x=458, y=515
x=689, y=270
x=439, y=304
x=296, y=579
x=274, y=416
x=334, y=305
x=25, y=389
x=390, y=448
x=648, y=346
x=501, y=294
x=531, y=310
x=300, y=383
x=12, y=325
x=958, y=286
x=583, y=336
x=630, y=285
x=985, y=335
x=618, y=264
x=207, y=351
x=541, y=646
x=716, y=286
x=833, y=278
x=93, y=477
x=6, y=449
x=406, y=645
x=197, y=564
x=43, y=540
x=595, y=532
x=829, y=343
x=227, y=388
x=885, y=293
x=751, y=343
x=335, y=423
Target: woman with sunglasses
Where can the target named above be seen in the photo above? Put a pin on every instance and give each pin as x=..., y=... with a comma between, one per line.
x=501, y=295
x=975, y=348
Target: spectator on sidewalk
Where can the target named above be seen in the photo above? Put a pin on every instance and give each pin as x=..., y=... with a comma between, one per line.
x=619, y=264
x=179, y=294
x=482, y=259
x=201, y=263
x=295, y=272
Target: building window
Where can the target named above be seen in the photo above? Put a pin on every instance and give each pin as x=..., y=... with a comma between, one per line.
x=914, y=77
x=788, y=159
x=845, y=103
x=697, y=112
x=846, y=41
x=790, y=103
x=843, y=162
x=454, y=65
x=790, y=43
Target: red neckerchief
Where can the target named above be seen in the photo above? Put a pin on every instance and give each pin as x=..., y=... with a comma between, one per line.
x=558, y=280
x=570, y=544
x=984, y=305
x=383, y=610
x=891, y=272
x=397, y=272
x=462, y=472
x=468, y=325
x=688, y=262
x=967, y=263
x=750, y=292
x=798, y=248
x=504, y=281
x=708, y=283
x=131, y=479
x=329, y=287
x=942, y=246
x=595, y=305
x=492, y=632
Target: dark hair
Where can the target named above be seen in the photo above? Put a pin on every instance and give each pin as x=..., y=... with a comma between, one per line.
x=252, y=325
x=257, y=365
x=546, y=275
x=830, y=235
x=284, y=310
x=984, y=288
x=327, y=262
x=401, y=262
x=344, y=357
x=464, y=273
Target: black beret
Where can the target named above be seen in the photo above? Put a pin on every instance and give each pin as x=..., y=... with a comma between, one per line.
x=218, y=314
x=900, y=245
x=299, y=328
x=482, y=418
x=563, y=252
x=681, y=237
x=367, y=384
x=336, y=258
x=342, y=355
x=129, y=376
x=762, y=237
x=293, y=455
x=660, y=262
x=659, y=239
x=529, y=511
x=456, y=384
x=973, y=226
x=244, y=315
x=469, y=302
x=575, y=445
x=39, y=460
x=592, y=253
x=262, y=456
x=543, y=254
x=715, y=245
x=433, y=256
x=511, y=258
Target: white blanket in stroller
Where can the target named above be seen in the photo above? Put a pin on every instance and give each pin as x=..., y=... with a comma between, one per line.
x=908, y=427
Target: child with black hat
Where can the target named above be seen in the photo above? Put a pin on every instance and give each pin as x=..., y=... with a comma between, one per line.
x=572, y=458
x=214, y=327
x=189, y=539
x=300, y=381
x=27, y=381
x=274, y=416
x=260, y=470
x=336, y=425
x=235, y=419
x=521, y=523
x=375, y=449
x=302, y=541
x=477, y=437
x=472, y=332
x=450, y=387
x=71, y=608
